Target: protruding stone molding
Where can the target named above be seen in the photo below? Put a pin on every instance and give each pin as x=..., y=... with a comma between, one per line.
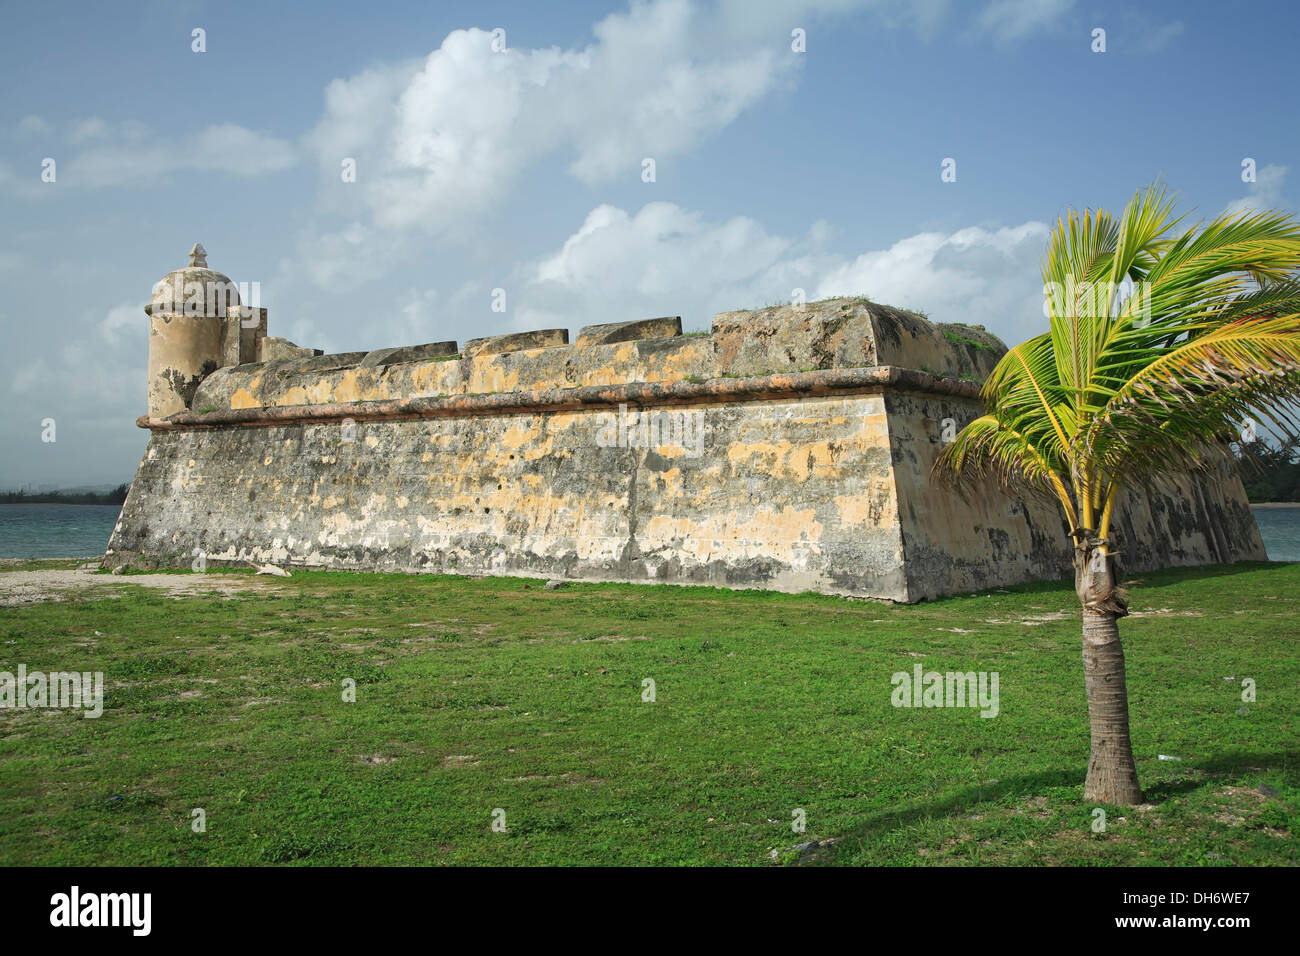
x=712, y=392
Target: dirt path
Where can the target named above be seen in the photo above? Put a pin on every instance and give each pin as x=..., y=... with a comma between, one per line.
x=33, y=587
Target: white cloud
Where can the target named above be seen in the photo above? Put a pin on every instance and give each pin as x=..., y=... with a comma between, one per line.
x=1156, y=39
x=437, y=141
x=755, y=18
x=91, y=128
x=28, y=376
x=420, y=316
x=138, y=157
x=975, y=275
x=342, y=259
x=1011, y=20
x=108, y=369
x=28, y=185
x=665, y=260
x=659, y=249
x=130, y=153
x=120, y=321
x=1263, y=194
x=33, y=125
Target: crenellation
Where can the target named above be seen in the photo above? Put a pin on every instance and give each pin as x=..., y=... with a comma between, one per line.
x=276, y=349
x=409, y=353
x=515, y=341
x=611, y=333
x=245, y=332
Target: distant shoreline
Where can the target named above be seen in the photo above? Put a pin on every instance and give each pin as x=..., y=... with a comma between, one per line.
x=60, y=501
x=1275, y=504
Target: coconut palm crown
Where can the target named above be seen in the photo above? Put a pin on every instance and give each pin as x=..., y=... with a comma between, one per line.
x=1163, y=343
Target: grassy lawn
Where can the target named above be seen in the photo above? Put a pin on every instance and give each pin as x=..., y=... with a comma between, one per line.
x=477, y=694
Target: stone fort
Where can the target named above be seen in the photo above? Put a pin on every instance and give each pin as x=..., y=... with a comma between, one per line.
x=789, y=448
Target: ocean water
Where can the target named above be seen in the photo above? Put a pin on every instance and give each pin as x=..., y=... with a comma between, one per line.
x=1279, y=526
x=56, y=531
x=74, y=531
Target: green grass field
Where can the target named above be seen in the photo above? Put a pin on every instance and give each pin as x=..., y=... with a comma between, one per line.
x=480, y=694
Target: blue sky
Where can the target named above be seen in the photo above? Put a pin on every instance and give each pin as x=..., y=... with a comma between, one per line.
x=522, y=169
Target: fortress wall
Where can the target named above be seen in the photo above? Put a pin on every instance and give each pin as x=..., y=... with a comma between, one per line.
x=789, y=494
x=959, y=544
x=805, y=438
x=1192, y=520
x=988, y=538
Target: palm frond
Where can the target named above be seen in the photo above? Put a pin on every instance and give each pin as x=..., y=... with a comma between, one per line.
x=1125, y=387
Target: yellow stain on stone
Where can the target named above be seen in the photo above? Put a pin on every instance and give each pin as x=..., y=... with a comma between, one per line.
x=433, y=378
x=783, y=459
x=874, y=508
x=318, y=392
x=784, y=534
x=528, y=438
x=623, y=363
x=348, y=388
x=243, y=398
x=672, y=482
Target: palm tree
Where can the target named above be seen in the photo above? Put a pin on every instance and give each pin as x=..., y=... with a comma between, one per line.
x=1161, y=346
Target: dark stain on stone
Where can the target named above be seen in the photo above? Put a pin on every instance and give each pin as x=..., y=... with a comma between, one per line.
x=186, y=388
x=657, y=462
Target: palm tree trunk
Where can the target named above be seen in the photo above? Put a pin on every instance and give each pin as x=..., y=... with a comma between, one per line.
x=1112, y=775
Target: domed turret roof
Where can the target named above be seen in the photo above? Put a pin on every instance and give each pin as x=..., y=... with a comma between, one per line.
x=204, y=291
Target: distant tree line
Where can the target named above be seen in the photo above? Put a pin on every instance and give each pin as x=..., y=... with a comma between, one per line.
x=1269, y=473
x=20, y=497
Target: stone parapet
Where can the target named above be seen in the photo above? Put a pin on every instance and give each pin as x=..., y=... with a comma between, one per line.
x=836, y=334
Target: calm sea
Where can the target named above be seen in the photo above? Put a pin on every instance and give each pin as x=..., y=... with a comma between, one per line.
x=74, y=531
x=56, y=531
x=1279, y=526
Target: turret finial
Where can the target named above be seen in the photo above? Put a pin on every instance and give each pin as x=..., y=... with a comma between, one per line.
x=199, y=256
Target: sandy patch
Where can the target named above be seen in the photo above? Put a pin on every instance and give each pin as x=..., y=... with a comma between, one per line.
x=34, y=587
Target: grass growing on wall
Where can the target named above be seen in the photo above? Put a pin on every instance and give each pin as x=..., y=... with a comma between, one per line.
x=477, y=694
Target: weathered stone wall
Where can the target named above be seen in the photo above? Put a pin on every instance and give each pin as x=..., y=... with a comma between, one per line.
x=801, y=460
x=986, y=538
x=791, y=494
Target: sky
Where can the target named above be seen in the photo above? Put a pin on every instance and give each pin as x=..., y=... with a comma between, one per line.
x=509, y=146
